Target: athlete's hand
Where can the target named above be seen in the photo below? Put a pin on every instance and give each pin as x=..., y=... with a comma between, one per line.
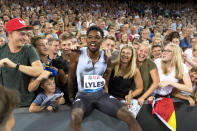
x=107, y=52
x=7, y=62
x=75, y=47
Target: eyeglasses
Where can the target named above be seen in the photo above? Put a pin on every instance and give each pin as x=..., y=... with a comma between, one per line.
x=168, y=51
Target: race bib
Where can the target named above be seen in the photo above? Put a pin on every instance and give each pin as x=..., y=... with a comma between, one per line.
x=93, y=82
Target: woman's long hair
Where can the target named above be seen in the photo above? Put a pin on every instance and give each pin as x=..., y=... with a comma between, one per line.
x=121, y=41
x=131, y=68
x=177, y=61
x=194, y=49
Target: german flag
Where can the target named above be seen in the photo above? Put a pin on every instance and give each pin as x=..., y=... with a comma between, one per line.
x=163, y=108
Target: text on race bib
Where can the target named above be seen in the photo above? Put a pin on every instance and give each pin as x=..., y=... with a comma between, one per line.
x=93, y=82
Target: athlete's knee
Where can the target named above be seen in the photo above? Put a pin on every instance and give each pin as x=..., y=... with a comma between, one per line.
x=127, y=117
x=77, y=115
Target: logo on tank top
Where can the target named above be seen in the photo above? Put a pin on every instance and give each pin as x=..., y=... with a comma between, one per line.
x=93, y=82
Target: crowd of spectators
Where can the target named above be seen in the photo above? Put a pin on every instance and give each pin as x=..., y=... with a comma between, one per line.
x=58, y=25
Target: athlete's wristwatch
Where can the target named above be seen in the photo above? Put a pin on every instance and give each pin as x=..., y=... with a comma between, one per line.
x=17, y=66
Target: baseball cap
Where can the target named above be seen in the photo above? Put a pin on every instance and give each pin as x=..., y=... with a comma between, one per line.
x=16, y=24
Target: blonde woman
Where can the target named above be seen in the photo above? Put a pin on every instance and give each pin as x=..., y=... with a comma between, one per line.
x=171, y=70
x=125, y=72
x=148, y=71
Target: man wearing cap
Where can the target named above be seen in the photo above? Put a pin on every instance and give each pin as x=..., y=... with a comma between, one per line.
x=18, y=61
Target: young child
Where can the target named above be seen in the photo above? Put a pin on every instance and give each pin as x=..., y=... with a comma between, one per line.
x=49, y=87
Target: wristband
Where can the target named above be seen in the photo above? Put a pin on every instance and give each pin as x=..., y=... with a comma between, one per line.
x=17, y=66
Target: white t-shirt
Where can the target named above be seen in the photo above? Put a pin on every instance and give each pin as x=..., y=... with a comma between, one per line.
x=189, y=54
x=170, y=77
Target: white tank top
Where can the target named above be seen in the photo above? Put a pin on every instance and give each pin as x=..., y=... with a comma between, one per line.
x=89, y=77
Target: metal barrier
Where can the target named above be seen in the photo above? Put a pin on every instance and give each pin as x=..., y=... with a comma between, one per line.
x=60, y=121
